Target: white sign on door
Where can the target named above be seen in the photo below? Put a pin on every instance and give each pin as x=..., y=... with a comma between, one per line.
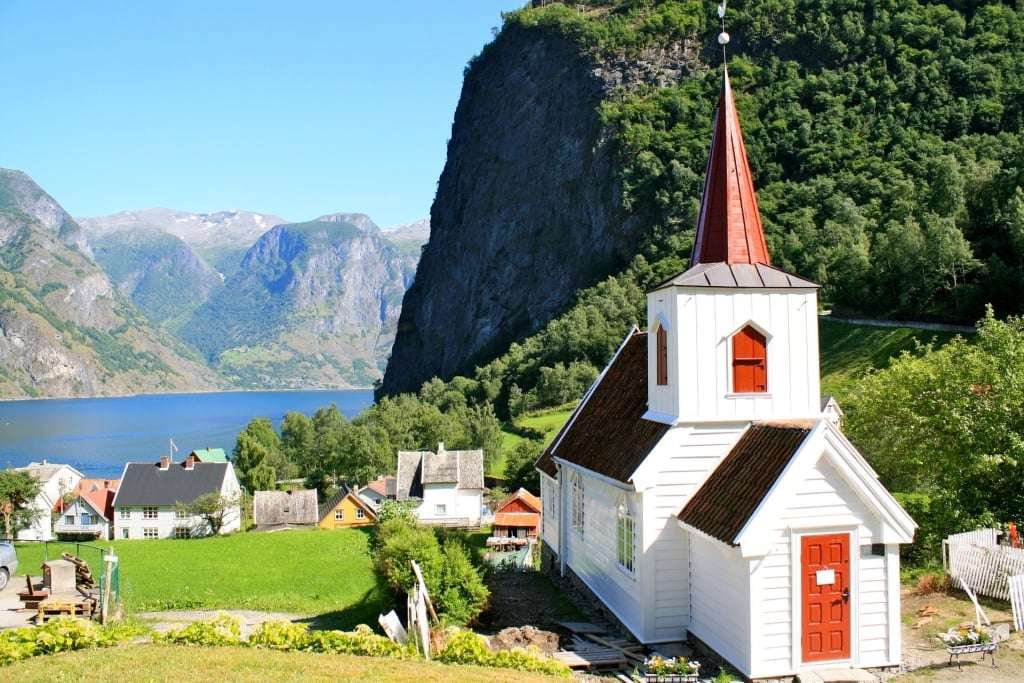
x=826, y=577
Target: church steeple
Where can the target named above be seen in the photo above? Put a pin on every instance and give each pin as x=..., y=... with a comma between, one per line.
x=729, y=228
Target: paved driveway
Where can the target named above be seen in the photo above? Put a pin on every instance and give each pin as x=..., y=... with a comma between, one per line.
x=10, y=617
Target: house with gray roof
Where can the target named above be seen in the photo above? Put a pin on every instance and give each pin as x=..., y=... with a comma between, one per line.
x=146, y=504
x=447, y=485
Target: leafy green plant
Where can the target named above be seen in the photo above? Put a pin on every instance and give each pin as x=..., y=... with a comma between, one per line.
x=362, y=641
x=221, y=630
x=466, y=647
x=281, y=635
x=62, y=634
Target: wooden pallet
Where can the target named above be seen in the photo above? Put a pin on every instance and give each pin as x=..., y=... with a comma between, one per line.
x=597, y=658
x=51, y=609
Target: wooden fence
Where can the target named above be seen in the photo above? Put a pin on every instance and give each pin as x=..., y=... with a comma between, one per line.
x=983, y=564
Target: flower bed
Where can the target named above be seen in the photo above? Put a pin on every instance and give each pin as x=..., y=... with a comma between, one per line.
x=670, y=669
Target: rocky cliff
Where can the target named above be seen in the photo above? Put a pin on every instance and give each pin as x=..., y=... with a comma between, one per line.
x=312, y=305
x=527, y=210
x=65, y=330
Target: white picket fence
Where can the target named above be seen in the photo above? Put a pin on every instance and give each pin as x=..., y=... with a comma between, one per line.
x=983, y=564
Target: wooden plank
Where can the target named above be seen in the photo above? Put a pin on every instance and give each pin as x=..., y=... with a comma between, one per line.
x=1017, y=600
x=627, y=653
x=580, y=627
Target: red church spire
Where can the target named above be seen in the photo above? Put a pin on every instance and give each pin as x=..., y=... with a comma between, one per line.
x=729, y=228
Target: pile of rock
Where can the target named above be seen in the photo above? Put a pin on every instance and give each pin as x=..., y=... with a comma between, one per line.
x=524, y=637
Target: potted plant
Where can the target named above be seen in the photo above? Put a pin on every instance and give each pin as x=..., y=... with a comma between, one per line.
x=966, y=640
x=658, y=669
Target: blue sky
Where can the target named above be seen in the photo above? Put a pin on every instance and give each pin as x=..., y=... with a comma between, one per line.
x=295, y=107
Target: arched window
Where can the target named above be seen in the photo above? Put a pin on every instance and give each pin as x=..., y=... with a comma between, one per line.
x=662, y=356
x=625, y=537
x=749, y=362
x=577, y=503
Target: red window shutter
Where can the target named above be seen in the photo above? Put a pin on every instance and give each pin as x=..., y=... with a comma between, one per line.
x=662, y=356
x=749, y=362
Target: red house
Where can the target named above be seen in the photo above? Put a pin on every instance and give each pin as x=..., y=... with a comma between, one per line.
x=517, y=520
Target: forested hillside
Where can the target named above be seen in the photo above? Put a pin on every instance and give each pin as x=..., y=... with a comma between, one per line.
x=885, y=141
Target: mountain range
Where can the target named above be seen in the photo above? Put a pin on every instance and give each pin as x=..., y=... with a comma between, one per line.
x=164, y=300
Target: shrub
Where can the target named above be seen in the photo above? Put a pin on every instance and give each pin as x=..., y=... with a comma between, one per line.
x=398, y=510
x=399, y=543
x=362, y=641
x=463, y=594
x=280, y=635
x=221, y=630
x=63, y=634
x=466, y=647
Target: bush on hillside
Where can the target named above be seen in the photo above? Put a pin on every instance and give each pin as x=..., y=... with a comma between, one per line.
x=463, y=594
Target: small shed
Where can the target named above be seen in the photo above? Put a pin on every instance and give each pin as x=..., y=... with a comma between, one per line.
x=274, y=509
x=346, y=509
x=518, y=516
x=209, y=455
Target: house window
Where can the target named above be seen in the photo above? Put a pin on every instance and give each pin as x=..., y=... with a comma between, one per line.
x=126, y=513
x=181, y=532
x=440, y=510
x=86, y=519
x=151, y=533
x=339, y=515
x=749, y=362
x=180, y=514
x=578, y=503
x=662, y=356
x=124, y=533
x=69, y=519
x=626, y=537
x=360, y=514
x=150, y=512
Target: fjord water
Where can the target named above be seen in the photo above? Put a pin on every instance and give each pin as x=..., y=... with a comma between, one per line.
x=99, y=435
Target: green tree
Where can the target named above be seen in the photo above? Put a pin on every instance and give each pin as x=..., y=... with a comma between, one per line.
x=18, y=489
x=214, y=511
x=520, y=466
x=298, y=441
x=249, y=454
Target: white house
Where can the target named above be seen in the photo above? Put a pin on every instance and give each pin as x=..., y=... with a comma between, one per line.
x=56, y=481
x=88, y=513
x=145, y=504
x=699, y=491
x=448, y=485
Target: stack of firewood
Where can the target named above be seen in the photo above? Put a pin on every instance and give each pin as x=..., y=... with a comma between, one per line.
x=83, y=575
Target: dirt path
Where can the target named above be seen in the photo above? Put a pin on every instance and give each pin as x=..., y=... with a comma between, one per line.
x=925, y=655
x=171, y=619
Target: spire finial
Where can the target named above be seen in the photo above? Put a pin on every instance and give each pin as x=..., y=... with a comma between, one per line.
x=723, y=37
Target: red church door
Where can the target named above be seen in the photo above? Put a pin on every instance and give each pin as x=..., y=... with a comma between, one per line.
x=825, y=561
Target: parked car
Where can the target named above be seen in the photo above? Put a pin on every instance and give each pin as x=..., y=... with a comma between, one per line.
x=8, y=564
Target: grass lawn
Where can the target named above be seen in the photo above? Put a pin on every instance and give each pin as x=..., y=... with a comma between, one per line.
x=545, y=422
x=221, y=664
x=325, y=573
x=848, y=350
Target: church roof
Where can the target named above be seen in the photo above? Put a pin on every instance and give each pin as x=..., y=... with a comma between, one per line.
x=729, y=497
x=729, y=228
x=607, y=433
x=737, y=275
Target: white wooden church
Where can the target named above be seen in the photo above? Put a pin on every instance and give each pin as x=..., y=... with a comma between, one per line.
x=699, y=491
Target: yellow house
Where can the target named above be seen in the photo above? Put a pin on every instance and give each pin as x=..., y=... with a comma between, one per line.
x=344, y=510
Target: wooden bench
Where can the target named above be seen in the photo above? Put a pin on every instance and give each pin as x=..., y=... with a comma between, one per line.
x=32, y=596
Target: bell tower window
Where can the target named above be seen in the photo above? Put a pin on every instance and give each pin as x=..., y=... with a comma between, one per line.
x=662, y=356
x=749, y=362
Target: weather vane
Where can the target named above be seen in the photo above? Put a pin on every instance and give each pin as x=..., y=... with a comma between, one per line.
x=723, y=37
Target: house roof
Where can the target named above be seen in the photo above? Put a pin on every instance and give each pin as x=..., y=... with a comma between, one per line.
x=607, y=433
x=523, y=495
x=144, y=483
x=735, y=275
x=528, y=519
x=210, y=455
x=285, y=507
x=732, y=493
x=382, y=486
x=99, y=493
x=344, y=492
x=729, y=226
x=44, y=471
x=465, y=469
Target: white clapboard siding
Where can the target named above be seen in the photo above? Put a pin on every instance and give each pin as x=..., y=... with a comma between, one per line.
x=986, y=569
x=721, y=599
x=549, y=510
x=1017, y=600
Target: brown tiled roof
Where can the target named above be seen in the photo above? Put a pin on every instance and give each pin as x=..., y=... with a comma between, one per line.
x=528, y=519
x=729, y=497
x=609, y=435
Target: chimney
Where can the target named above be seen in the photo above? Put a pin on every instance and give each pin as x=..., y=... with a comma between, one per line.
x=190, y=461
x=440, y=447
x=165, y=462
